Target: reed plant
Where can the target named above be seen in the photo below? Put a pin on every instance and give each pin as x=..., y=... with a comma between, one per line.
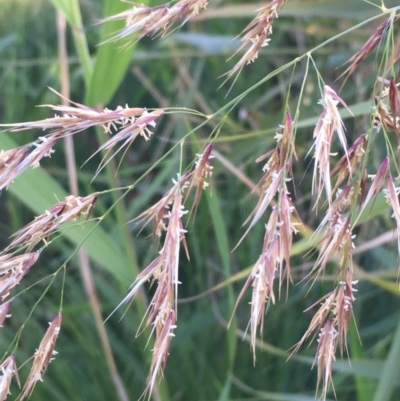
x=194, y=229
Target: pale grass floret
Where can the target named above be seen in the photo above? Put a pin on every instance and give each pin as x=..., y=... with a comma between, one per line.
x=70, y=209
x=43, y=356
x=326, y=356
x=276, y=170
x=8, y=369
x=157, y=212
x=13, y=269
x=343, y=310
x=350, y=162
x=329, y=122
x=256, y=34
x=126, y=123
x=201, y=176
x=164, y=327
x=15, y=161
x=337, y=241
x=149, y=21
x=270, y=187
x=343, y=200
x=327, y=305
x=77, y=118
x=377, y=182
x=286, y=230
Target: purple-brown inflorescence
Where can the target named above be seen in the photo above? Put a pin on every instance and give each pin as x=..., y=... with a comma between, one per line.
x=201, y=175
x=328, y=123
x=275, y=250
x=155, y=20
x=343, y=311
x=278, y=232
x=367, y=48
x=164, y=270
x=13, y=269
x=126, y=124
x=349, y=162
x=332, y=322
x=256, y=34
x=276, y=170
x=326, y=356
x=43, y=356
x=15, y=161
x=158, y=211
x=70, y=209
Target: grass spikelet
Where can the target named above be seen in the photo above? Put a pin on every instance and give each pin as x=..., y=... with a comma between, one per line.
x=13, y=269
x=43, y=356
x=154, y=20
x=328, y=123
x=8, y=369
x=256, y=35
x=39, y=229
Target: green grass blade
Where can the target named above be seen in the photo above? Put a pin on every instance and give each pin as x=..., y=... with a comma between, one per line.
x=390, y=372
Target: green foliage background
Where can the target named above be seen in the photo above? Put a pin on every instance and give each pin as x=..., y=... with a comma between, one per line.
x=207, y=361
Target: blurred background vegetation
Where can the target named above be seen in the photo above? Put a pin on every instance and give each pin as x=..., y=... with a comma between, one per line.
x=207, y=361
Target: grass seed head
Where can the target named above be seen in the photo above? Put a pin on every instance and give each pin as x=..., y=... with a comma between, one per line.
x=13, y=269
x=72, y=208
x=154, y=20
x=43, y=356
x=8, y=369
x=256, y=35
x=325, y=357
x=374, y=40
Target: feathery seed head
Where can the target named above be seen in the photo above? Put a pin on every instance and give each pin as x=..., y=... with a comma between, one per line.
x=70, y=209
x=329, y=122
x=256, y=34
x=201, y=176
x=367, y=48
x=327, y=303
x=158, y=211
x=344, y=308
x=8, y=369
x=13, y=269
x=149, y=21
x=326, y=356
x=377, y=182
x=349, y=162
x=43, y=356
